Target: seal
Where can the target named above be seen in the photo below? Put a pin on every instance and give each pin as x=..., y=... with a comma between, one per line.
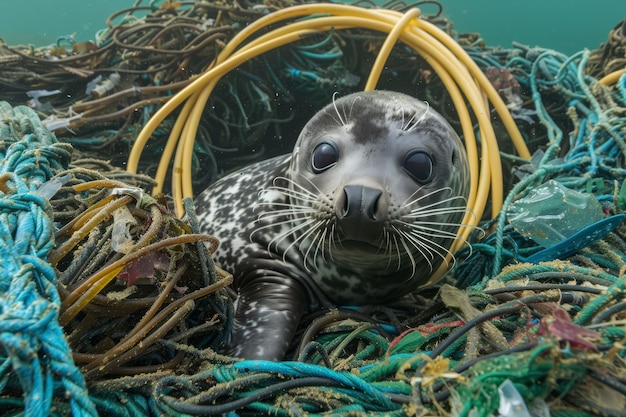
x=363, y=211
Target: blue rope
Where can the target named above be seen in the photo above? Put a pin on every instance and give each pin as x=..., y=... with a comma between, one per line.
x=301, y=370
x=30, y=335
x=595, y=146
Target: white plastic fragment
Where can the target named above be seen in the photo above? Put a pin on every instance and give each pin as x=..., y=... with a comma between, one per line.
x=121, y=238
x=511, y=402
x=93, y=84
x=53, y=123
x=135, y=192
x=36, y=94
x=49, y=188
x=100, y=86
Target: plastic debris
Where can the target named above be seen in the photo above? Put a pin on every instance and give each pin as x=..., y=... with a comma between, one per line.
x=49, y=188
x=511, y=402
x=551, y=213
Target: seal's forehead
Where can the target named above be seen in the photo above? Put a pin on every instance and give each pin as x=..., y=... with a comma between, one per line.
x=375, y=116
x=372, y=115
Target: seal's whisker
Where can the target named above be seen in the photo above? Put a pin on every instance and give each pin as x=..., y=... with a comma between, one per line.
x=333, y=242
x=405, y=127
x=419, y=212
x=420, y=239
x=304, y=214
x=292, y=225
x=342, y=121
x=429, y=249
x=414, y=126
x=295, y=185
x=272, y=224
x=292, y=195
x=397, y=251
x=301, y=193
x=416, y=236
x=261, y=227
x=423, y=227
x=274, y=205
x=284, y=210
x=351, y=107
x=423, y=243
x=298, y=192
x=442, y=236
x=289, y=232
x=431, y=231
x=409, y=202
x=403, y=239
x=386, y=246
x=330, y=242
x=413, y=221
x=427, y=235
x=318, y=242
x=314, y=243
x=412, y=200
x=447, y=202
x=318, y=193
x=300, y=240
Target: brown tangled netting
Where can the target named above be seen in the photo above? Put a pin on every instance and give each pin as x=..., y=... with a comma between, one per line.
x=130, y=274
x=611, y=56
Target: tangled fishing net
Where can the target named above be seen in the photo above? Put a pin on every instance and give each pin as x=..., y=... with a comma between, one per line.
x=110, y=303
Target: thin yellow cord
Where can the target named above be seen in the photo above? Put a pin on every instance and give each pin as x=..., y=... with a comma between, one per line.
x=459, y=73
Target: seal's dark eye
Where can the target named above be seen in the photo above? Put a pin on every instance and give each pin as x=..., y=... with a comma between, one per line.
x=419, y=165
x=325, y=155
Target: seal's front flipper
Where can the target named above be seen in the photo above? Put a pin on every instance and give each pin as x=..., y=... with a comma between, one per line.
x=267, y=315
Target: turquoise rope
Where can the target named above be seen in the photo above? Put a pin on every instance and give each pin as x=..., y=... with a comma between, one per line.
x=299, y=370
x=30, y=335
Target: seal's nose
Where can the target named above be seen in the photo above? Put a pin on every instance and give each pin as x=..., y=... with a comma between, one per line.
x=360, y=202
x=358, y=215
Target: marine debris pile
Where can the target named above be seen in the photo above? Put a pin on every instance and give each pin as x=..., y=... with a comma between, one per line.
x=87, y=252
x=110, y=303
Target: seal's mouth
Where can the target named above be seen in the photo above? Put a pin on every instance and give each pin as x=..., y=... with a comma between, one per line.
x=359, y=246
x=365, y=257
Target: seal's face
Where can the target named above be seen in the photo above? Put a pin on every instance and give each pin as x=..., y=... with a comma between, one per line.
x=378, y=185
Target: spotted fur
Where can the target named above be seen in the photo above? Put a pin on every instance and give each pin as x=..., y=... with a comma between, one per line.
x=284, y=225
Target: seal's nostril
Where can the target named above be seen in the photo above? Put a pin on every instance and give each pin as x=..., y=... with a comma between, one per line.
x=371, y=196
x=371, y=212
x=346, y=204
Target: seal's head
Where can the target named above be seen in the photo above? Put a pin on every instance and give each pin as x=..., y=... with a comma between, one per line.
x=378, y=185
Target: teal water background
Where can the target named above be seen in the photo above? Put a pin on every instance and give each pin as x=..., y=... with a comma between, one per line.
x=565, y=25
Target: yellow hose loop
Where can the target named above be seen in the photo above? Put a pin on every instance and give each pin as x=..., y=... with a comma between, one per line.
x=388, y=45
x=459, y=74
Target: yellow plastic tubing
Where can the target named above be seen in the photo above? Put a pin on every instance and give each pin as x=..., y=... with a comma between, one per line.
x=462, y=78
x=612, y=77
